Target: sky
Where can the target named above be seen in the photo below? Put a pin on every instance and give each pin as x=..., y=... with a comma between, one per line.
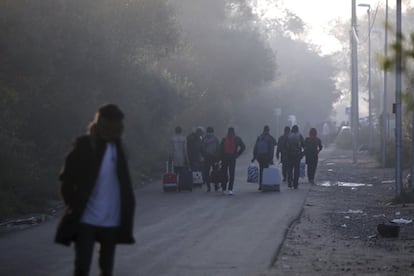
x=318, y=14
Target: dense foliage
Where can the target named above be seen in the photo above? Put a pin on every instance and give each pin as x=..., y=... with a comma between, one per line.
x=165, y=63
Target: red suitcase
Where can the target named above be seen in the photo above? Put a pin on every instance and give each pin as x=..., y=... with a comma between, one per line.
x=169, y=179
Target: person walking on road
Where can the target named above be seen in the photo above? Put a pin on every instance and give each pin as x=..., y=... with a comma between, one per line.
x=97, y=192
x=194, y=149
x=263, y=152
x=294, y=147
x=178, y=151
x=210, y=150
x=312, y=147
x=281, y=152
x=232, y=147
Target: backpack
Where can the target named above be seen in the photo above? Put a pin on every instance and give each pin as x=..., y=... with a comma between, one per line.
x=210, y=146
x=262, y=146
x=230, y=145
x=294, y=143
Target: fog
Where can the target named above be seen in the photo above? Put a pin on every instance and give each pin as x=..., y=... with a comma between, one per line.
x=165, y=63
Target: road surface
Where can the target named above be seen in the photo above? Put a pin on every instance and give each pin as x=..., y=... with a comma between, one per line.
x=187, y=233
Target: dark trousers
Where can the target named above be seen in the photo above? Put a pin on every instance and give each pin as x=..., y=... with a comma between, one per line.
x=208, y=166
x=229, y=166
x=293, y=170
x=312, y=165
x=84, y=245
x=285, y=166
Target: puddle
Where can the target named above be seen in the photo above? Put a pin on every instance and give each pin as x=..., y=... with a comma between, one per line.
x=343, y=184
x=387, y=181
x=350, y=211
x=330, y=164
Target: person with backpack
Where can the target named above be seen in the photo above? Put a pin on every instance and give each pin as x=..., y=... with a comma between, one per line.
x=178, y=151
x=281, y=152
x=294, y=146
x=312, y=147
x=263, y=151
x=210, y=150
x=232, y=147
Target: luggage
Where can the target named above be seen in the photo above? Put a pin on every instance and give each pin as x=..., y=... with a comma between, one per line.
x=185, y=180
x=216, y=174
x=271, y=179
x=197, y=178
x=169, y=179
x=253, y=173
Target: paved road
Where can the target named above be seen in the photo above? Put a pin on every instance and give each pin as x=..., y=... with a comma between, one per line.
x=187, y=233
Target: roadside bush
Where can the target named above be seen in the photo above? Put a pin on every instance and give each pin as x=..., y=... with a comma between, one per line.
x=20, y=190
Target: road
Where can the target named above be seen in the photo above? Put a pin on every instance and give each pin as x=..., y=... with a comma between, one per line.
x=187, y=233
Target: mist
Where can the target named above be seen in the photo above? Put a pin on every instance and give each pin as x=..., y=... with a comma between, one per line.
x=165, y=63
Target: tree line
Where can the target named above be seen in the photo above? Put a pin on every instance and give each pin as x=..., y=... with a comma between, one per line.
x=165, y=63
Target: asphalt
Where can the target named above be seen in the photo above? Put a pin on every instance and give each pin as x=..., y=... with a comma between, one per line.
x=186, y=233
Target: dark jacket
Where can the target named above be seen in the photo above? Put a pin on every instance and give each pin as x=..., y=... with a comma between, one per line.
x=239, y=148
x=271, y=143
x=282, y=148
x=194, y=148
x=312, y=147
x=78, y=178
x=294, y=146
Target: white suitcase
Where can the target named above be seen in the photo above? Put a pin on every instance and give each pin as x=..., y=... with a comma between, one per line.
x=271, y=179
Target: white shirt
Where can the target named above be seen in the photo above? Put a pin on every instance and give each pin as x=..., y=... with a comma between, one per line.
x=104, y=204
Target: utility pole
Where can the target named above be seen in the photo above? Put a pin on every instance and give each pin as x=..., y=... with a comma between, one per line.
x=384, y=129
x=398, y=113
x=354, y=85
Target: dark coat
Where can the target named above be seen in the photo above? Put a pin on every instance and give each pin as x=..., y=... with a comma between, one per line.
x=271, y=142
x=240, y=147
x=78, y=178
x=282, y=148
x=312, y=146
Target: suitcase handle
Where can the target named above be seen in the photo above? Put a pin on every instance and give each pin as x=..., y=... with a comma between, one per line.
x=168, y=167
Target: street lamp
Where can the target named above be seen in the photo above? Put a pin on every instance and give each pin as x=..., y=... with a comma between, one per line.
x=368, y=6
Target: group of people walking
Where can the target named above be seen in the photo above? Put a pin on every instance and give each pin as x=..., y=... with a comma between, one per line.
x=205, y=152
x=96, y=185
x=292, y=147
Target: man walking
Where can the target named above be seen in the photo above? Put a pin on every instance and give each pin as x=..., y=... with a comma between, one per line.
x=194, y=149
x=264, y=151
x=210, y=150
x=294, y=153
x=281, y=152
x=232, y=147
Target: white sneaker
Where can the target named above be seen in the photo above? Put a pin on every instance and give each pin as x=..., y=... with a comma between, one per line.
x=230, y=192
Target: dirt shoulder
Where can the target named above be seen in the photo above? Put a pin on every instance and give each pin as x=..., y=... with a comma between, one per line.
x=337, y=231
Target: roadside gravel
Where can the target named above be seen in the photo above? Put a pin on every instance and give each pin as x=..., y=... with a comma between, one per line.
x=336, y=233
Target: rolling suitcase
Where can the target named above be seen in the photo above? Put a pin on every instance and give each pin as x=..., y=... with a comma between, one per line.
x=185, y=180
x=169, y=179
x=271, y=179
